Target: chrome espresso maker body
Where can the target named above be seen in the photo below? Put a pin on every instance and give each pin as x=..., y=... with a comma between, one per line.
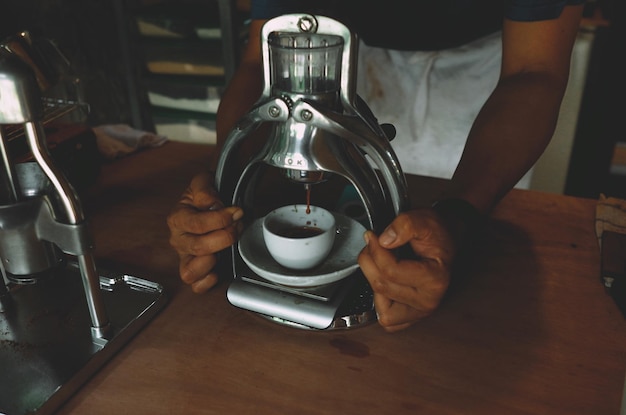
x=320, y=130
x=61, y=317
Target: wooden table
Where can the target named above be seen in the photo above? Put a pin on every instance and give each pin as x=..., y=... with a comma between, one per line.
x=528, y=330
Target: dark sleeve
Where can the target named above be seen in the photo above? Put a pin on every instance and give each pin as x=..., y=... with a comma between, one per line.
x=533, y=10
x=267, y=9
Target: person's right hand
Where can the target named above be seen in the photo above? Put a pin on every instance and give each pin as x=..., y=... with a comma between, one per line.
x=200, y=226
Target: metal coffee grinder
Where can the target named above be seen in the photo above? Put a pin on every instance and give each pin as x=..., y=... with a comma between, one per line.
x=61, y=317
x=320, y=131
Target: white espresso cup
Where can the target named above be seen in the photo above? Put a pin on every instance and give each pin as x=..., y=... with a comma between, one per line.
x=297, y=239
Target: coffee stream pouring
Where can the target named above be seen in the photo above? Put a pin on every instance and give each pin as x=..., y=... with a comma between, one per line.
x=319, y=128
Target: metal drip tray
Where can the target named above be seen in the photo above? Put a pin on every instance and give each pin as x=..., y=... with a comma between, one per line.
x=46, y=347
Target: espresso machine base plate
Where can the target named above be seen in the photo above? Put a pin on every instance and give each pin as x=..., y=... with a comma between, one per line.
x=345, y=304
x=46, y=347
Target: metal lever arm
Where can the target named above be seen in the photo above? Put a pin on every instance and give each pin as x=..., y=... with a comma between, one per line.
x=357, y=131
x=274, y=110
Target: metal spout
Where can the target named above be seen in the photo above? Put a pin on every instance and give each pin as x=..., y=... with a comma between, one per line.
x=307, y=177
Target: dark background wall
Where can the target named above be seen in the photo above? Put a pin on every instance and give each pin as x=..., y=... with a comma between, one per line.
x=86, y=31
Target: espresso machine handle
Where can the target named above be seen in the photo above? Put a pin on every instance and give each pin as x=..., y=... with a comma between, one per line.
x=274, y=110
x=355, y=130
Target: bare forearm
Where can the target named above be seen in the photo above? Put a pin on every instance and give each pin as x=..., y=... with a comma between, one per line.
x=243, y=90
x=510, y=133
x=239, y=97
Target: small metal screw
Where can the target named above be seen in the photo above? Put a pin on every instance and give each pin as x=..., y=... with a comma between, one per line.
x=273, y=111
x=307, y=24
x=306, y=115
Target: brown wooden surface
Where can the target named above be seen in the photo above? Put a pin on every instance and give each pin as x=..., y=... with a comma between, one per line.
x=528, y=329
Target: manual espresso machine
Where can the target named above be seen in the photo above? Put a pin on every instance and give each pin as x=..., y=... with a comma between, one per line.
x=61, y=317
x=319, y=130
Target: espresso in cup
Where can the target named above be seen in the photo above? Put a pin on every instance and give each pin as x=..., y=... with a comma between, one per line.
x=299, y=231
x=297, y=239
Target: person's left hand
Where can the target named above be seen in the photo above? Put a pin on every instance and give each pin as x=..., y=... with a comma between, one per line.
x=406, y=290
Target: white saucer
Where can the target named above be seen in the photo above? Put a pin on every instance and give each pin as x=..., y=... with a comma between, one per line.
x=341, y=261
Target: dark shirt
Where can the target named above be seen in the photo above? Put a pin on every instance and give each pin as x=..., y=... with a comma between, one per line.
x=418, y=24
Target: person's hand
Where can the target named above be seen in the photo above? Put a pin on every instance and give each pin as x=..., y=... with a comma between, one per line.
x=406, y=290
x=200, y=226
